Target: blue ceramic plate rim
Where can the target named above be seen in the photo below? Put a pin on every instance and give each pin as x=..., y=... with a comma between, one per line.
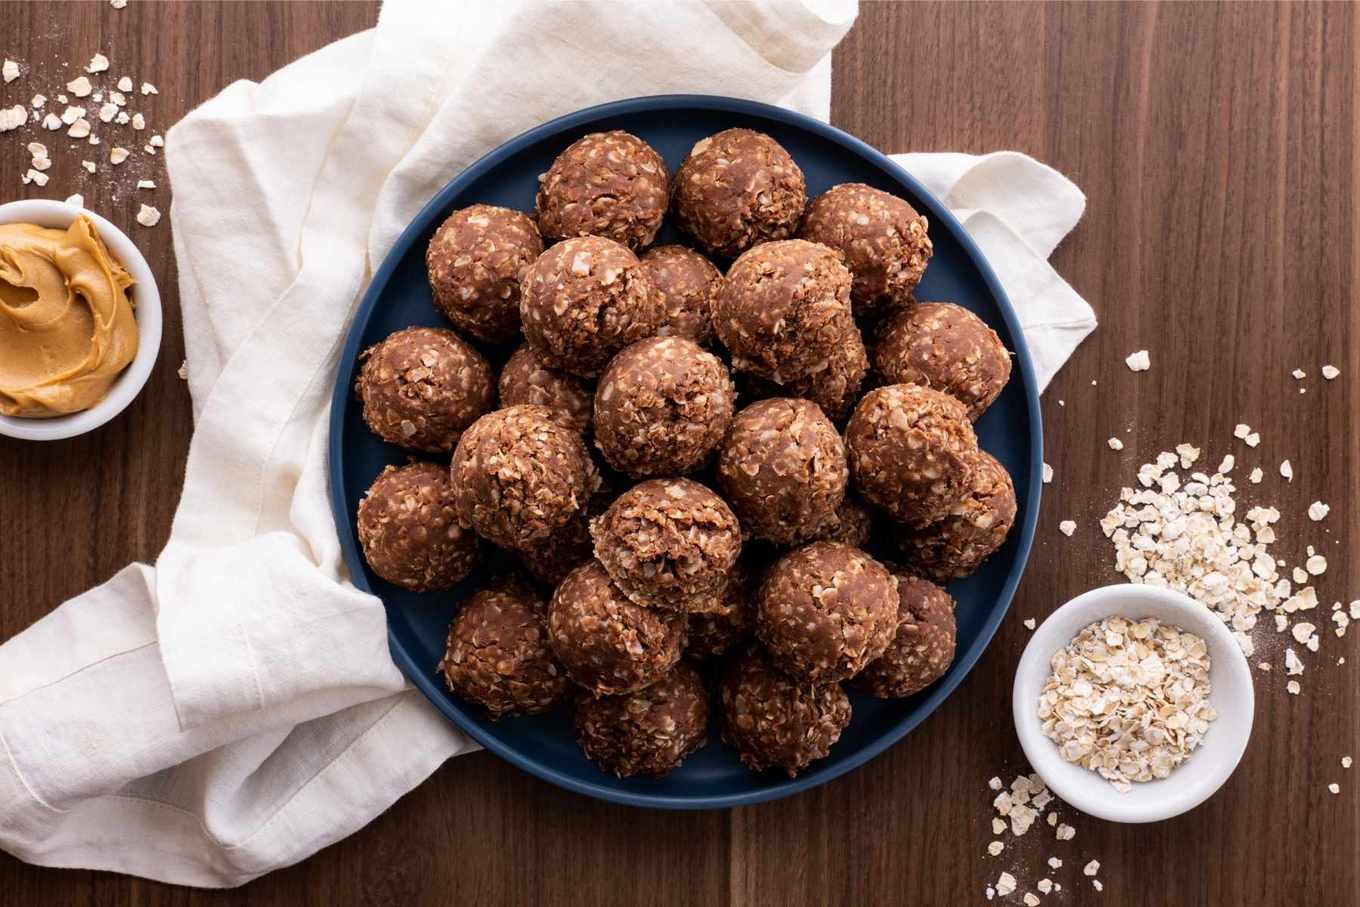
x=939, y=215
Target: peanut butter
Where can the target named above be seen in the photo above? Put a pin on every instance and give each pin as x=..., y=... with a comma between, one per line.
x=66, y=324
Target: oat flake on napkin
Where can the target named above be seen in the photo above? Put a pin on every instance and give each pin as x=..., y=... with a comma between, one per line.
x=234, y=709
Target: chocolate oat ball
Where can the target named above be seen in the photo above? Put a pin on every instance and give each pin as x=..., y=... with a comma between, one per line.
x=923, y=648
x=519, y=475
x=649, y=732
x=882, y=238
x=474, y=261
x=736, y=189
x=498, y=654
x=668, y=543
x=584, y=300
x=687, y=283
x=977, y=525
x=775, y=721
x=853, y=524
x=607, y=643
x=527, y=379
x=610, y=184
x=826, y=610
x=422, y=386
x=783, y=310
x=835, y=388
x=712, y=633
x=661, y=407
x=409, y=530
x=782, y=467
x=947, y=347
x=911, y=449
x=550, y=560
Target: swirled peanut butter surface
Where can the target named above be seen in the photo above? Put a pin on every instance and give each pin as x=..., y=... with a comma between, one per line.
x=66, y=324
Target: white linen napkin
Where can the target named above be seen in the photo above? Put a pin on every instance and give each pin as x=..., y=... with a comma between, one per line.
x=234, y=709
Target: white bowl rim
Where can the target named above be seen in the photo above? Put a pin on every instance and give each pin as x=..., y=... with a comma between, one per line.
x=146, y=294
x=1148, y=801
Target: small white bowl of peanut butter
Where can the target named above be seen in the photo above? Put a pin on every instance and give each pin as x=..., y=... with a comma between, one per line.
x=80, y=320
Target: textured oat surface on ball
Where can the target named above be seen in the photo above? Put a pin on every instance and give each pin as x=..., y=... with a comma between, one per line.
x=713, y=633
x=421, y=387
x=835, y=388
x=910, y=450
x=498, y=655
x=474, y=261
x=610, y=184
x=826, y=610
x=519, y=475
x=661, y=407
x=853, y=524
x=669, y=543
x=409, y=532
x=922, y=648
x=607, y=643
x=526, y=378
x=945, y=347
x=775, y=721
x=783, y=310
x=737, y=188
x=974, y=528
x=585, y=299
x=687, y=282
x=649, y=732
x=883, y=239
x=782, y=467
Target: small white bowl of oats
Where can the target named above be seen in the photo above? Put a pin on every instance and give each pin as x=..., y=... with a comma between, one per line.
x=1133, y=703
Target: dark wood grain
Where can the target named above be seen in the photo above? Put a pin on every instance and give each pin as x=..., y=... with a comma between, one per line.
x=1217, y=148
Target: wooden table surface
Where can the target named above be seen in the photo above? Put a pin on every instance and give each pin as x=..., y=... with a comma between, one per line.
x=1217, y=146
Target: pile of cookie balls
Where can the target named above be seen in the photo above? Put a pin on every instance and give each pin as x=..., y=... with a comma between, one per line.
x=671, y=538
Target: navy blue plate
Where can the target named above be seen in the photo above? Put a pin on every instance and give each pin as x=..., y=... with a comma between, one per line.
x=400, y=296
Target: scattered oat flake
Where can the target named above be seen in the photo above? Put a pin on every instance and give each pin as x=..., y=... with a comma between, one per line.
x=76, y=200
x=1317, y=511
x=52, y=122
x=138, y=122
x=1097, y=885
x=1067, y=527
x=79, y=129
x=1241, y=430
x=157, y=142
x=125, y=84
x=1256, y=476
x=1293, y=687
x=1330, y=372
x=12, y=117
x=1253, y=439
x=1334, y=787
x=183, y=370
x=1299, y=374
x=34, y=176
x=1287, y=470
x=146, y=184
x=1091, y=868
x=1005, y=884
x=1115, y=444
x=117, y=155
x=9, y=70
x=995, y=848
x=1054, y=863
x=148, y=216
x=98, y=63
x=1047, y=473
x=1029, y=623
x=118, y=4
x=1139, y=361
x=1263, y=666
x=1316, y=565
x=996, y=783
x=79, y=86
x=148, y=88
x=1031, y=899
x=1065, y=832
x=89, y=166
x=1227, y=463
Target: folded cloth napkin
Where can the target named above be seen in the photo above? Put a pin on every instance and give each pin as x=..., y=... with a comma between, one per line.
x=234, y=709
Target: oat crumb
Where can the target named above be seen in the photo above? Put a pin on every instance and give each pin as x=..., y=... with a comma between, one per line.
x=1330, y=372
x=1317, y=511
x=1047, y=474
x=1029, y=623
x=1334, y=788
x=1139, y=361
x=148, y=216
x=10, y=71
x=1287, y=470
x=1091, y=868
x=1067, y=527
x=1115, y=444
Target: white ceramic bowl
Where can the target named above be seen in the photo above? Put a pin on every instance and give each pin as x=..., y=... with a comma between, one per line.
x=147, y=307
x=1196, y=779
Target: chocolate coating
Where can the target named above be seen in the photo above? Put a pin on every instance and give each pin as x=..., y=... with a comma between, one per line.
x=977, y=525
x=527, y=379
x=608, y=644
x=519, y=475
x=910, y=450
x=661, y=407
x=947, y=347
x=610, y=184
x=649, y=732
x=584, y=300
x=409, y=530
x=738, y=188
x=713, y=633
x=474, y=261
x=782, y=467
x=923, y=647
x=775, y=721
x=882, y=238
x=687, y=282
x=421, y=387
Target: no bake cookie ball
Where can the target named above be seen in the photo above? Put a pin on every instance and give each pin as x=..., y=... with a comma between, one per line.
x=738, y=188
x=421, y=387
x=608, y=644
x=661, y=407
x=668, y=543
x=956, y=544
x=946, y=347
x=835, y=388
x=713, y=633
x=923, y=647
x=409, y=531
x=474, y=262
x=826, y=610
x=687, y=283
x=910, y=449
x=783, y=310
x=498, y=654
x=527, y=379
x=610, y=184
x=584, y=300
x=776, y=721
x=519, y=475
x=852, y=525
x=782, y=467
x=882, y=238
x=649, y=732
